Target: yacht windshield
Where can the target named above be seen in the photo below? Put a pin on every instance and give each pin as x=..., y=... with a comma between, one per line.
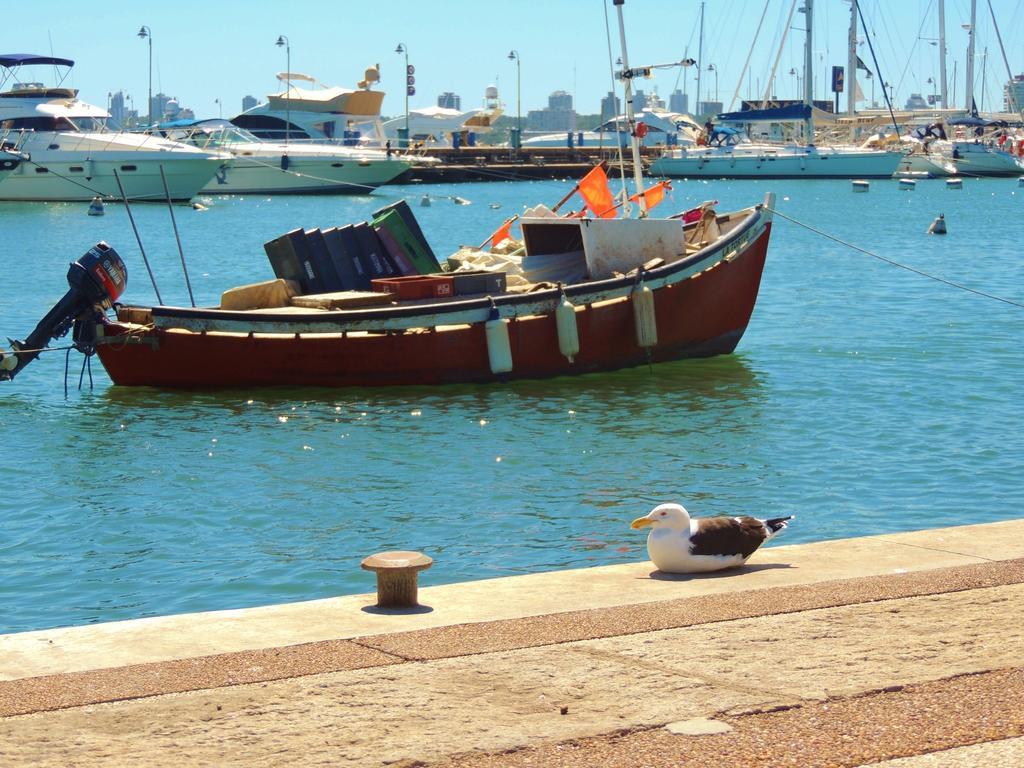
x=89, y=124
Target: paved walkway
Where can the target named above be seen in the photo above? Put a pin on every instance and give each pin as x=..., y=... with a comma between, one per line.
x=905, y=648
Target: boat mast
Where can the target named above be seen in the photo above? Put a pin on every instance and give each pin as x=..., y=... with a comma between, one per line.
x=627, y=80
x=851, y=63
x=969, y=85
x=942, y=53
x=808, y=75
x=700, y=59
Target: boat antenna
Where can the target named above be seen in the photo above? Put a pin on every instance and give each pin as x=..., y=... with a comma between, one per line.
x=878, y=69
x=627, y=75
x=174, y=224
x=138, y=239
x=615, y=111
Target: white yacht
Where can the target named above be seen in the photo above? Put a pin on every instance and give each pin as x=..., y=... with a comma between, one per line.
x=661, y=128
x=446, y=127
x=726, y=153
x=319, y=112
x=68, y=153
x=277, y=167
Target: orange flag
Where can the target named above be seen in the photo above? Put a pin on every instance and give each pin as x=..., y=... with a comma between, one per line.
x=503, y=232
x=596, y=194
x=652, y=195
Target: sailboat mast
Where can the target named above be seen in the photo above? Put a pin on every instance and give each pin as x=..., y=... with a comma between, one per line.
x=808, y=70
x=627, y=78
x=969, y=85
x=700, y=58
x=851, y=62
x=942, y=53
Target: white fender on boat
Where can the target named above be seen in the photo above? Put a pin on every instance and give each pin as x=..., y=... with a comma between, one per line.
x=499, y=347
x=644, y=317
x=568, y=333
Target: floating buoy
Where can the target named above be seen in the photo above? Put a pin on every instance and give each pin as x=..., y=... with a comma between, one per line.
x=425, y=201
x=954, y=183
x=96, y=207
x=460, y=200
x=938, y=227
x=197, y=206
x=908, y=184
x=860, y=185
x=495, y=206
x=568, y=332
x=644, y=317
x=499, y=348
x=1020, y=181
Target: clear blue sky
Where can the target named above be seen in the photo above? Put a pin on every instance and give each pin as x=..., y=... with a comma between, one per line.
x=225, y=49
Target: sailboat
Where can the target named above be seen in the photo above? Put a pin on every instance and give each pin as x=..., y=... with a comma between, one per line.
x=593, y=291
x=728, y=155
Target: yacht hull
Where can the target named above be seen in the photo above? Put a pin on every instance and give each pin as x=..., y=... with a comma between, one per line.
x=70, y=176
x=317, y=175
x=777, y=164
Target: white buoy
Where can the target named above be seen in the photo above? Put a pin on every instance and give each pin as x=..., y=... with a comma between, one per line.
x=499, y=347
x=938, y=227
x=908, y=184
x=96, y=206
x=568, y=332
x=644, y=317
x=954, y=183
x=460, y=200
x=425, y=201
x=860, y=185
x=1020, y=181
x=495, y=206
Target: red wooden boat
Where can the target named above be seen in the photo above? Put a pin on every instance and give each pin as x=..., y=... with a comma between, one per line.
x=694, y=299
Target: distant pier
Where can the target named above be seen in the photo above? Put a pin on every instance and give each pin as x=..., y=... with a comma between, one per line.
x=506, y=164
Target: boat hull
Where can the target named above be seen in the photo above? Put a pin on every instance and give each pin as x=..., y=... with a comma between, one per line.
x=304, y=175
x=70, y=177
x=701, y=315
x=777, y=164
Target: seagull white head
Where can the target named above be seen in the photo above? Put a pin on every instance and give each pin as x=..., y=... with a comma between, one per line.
x=672, y=516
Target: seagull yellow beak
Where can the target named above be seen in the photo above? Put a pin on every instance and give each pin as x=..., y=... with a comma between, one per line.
x=641, y=522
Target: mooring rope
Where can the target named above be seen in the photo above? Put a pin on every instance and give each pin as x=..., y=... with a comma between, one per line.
x=894, y=263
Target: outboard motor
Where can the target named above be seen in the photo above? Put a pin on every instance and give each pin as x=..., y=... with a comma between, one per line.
x=97, y=279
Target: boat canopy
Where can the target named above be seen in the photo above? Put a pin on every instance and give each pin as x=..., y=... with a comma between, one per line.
x=974, y=120
x=774, y=115
x=18, y=59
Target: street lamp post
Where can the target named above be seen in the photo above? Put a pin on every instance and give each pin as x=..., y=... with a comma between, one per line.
x=796, y=74
x=513, y=55
x=403, y=49
x=713, y=68
x=283, y=41
x=146, y=33
x=931, y=82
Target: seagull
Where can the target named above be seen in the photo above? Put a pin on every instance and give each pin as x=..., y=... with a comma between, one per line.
x=680, y=544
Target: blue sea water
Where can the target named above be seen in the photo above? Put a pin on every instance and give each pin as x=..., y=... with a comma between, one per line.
x=863, y=397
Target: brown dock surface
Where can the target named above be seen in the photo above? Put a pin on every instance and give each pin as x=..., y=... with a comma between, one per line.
x=466, y=164
x=903, y=650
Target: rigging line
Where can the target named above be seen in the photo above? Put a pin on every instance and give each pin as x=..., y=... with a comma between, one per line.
x=1010, y=92
x=910, y=53
x=878, y=69
x=746, y=64
x=615, y=96
x=894, y=263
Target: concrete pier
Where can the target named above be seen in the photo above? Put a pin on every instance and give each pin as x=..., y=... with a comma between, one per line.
x=903, y=648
